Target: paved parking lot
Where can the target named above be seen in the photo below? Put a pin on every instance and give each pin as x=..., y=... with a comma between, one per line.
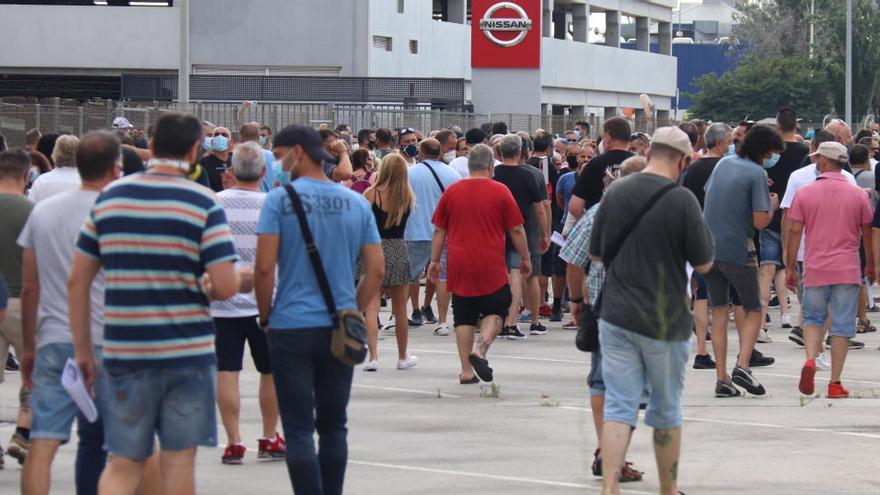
x=419, y=431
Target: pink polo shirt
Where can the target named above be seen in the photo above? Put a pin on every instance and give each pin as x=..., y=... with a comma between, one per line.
x=833, y=212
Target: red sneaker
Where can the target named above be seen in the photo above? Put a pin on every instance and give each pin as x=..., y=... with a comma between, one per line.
x=272, y=448
x=837, y=391
x=807, y=384
x=545, y=311
x=233, y=454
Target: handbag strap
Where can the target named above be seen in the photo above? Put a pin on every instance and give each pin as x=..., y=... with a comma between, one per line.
x=436, y=177
x=314, y=255
x=610, y=254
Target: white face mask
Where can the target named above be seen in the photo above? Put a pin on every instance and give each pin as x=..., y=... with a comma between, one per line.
x=602, y=147
x=448, y=157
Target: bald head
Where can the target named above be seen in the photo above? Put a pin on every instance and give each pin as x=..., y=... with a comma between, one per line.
x=632, y=165
x=249, y=132
x=841, y=131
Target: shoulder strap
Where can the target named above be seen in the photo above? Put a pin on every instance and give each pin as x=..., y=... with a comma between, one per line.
x=436, y=177
x=858, y=173
x=610, y=254
x=314, y=255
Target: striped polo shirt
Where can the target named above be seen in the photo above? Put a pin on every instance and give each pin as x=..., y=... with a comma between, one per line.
x=155, y=235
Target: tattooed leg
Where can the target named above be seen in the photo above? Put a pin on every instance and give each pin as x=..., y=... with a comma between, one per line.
x=490, y=327
x=667, y=446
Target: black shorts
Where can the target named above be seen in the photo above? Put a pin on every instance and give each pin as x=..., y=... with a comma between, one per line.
x=547, y=261
x=559, y=264
x=230, y=338
x=726, y=276
x=467, y=311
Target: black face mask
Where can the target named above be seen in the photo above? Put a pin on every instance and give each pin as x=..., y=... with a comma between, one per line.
x=877, y=156
x=572, y=161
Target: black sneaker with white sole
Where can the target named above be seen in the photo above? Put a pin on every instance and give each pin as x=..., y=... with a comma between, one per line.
x=514, y=333
x=428, y=315
x=854, y=345
x=797, y=336
x=757, y=360
x=724, y=390
x=537, y=329
x=703, y=362
x=743, y=378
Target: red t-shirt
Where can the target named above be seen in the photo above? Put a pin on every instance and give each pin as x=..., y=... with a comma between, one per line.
x=475, y=214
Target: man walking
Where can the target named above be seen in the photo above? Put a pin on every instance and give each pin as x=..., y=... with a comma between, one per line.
x=834, y=215
x=473, y=216
x=651, y=349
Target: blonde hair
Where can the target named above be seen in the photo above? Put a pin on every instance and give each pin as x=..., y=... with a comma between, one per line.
x=394, y=182
x=64, y=153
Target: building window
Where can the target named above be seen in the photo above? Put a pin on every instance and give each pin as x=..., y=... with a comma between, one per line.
x=414, y=47
x=382, y=43
x=400, y=6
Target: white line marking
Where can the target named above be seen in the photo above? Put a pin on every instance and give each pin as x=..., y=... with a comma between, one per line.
x=408, y=390
x=758, y=425
x=496, y=356
x=561, y=484
x=798, y=377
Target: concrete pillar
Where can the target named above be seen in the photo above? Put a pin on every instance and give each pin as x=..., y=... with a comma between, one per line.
x=457, y=11
x=643, y=34
x=664, y=32
x=560, y=24
x=610, y=112
x=547, y=19
x=580, y=17
x=612, y=28
x=662, y=118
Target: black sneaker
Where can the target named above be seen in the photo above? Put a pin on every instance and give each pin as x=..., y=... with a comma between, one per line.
x=383, y=303
x=12, y=363
x=743, y=377
x=537, y=329
x=505, y=332
x=854, y=345
x=724, y=390
x=556, y=314
x=797, y=336
x=428, y=315
x=767, y=318
x=703, y=362
x=757, y=360
x=515, y=334
x=774, y=302
x=416, y=319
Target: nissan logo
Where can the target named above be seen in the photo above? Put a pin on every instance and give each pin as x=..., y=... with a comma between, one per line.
x=522, y=24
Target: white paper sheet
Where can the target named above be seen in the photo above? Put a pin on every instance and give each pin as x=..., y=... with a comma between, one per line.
x=72, y=381
x=558, y=239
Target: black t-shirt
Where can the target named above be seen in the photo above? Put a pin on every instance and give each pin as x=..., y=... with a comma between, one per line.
x=553, y=177
x=522, y=184
x=697, y=176
x=215, y=168
x=645, y=286
x=591, y=182
x=131, y=162
x=789, y=160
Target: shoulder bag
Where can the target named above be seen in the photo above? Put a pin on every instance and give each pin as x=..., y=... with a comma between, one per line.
x=349, y=340
x=436, y=177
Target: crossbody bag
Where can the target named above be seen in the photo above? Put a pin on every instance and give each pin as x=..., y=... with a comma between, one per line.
x=436, y=177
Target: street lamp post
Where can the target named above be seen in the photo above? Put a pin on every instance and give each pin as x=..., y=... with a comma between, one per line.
x=849, y=6
x=183, y=69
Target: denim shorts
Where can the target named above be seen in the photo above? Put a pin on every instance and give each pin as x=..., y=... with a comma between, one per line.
x=419, y=257
x=771, y=247
x=702, y=292
x=177, y=404
x=52, y=408
x=443, y=265
x=594, y=379
x=512, y=259
x=844, y=301
x=630, y=362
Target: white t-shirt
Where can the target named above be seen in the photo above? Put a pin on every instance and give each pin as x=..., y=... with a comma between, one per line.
x=460, y=165
x=60, y=180
x=242, y=213
x=798, y=179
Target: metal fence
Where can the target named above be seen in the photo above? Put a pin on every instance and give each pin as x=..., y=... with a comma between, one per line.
x=17, y=115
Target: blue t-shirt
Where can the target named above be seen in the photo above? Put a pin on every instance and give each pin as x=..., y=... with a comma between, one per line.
x=427, y=191
x=565, y=187
x=736, y=189
x=155, y=235
x=271, y=179
x=341, y=223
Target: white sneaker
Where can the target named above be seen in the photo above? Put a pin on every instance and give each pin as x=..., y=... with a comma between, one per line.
x=823, y=361
x=442, y=330
x=409, y=362
x=371, y=366
x=389, y=327
x=786, y=321
x=764, y=337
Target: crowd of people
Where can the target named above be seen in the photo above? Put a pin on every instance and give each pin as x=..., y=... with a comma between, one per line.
x=153, y=260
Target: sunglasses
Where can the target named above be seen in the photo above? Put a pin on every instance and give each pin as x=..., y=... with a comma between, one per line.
x=405, y=130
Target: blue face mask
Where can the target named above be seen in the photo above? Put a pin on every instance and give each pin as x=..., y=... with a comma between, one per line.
x=206, y=143
x=771, y=162
x=263, y=140
x=281, y=175
x=220, y=143
x=731, y=149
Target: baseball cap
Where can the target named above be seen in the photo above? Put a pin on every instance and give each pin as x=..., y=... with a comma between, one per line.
x=122, y=123
x=674, y=138
x=306, y=137
x=833, y=151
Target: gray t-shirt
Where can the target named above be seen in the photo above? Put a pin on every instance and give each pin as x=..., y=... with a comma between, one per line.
x=532, y=227
x=51, y=231
x=736, y=189
x=645, y=286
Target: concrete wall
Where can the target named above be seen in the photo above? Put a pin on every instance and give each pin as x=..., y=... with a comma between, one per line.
x=506, y=91
x=87, y=38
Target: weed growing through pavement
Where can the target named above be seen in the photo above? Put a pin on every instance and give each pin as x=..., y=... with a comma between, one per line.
x=493, y=391
x=546, y=401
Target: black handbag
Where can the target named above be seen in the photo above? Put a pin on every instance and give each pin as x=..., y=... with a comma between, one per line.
x=587, y=338
x=349, y=340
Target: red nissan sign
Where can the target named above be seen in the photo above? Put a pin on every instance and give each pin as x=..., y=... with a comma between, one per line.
x=506, y=34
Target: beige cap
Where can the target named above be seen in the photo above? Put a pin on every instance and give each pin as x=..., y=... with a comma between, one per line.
x=673, y=137
x=833, y=151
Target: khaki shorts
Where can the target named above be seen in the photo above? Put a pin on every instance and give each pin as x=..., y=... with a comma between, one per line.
x=10, y=333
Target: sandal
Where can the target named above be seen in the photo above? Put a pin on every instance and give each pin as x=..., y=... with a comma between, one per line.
x=597, y=464
x=865, y=326
x=481, y=367
x=469, y=381
x=627, y=473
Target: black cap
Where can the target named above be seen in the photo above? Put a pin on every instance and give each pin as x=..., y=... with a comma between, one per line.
x=475, y=136
x=306, y=137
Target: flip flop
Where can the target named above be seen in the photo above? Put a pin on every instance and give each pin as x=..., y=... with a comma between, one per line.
x=481, y=367
x=469, y=381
